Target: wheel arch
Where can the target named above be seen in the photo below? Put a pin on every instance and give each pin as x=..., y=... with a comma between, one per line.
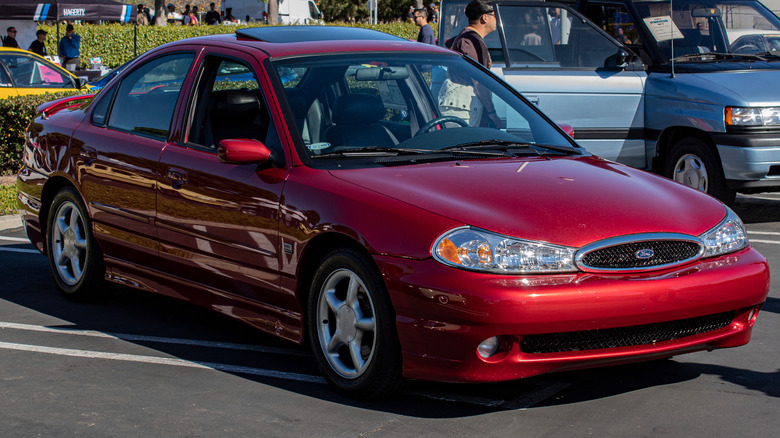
x=314, y=253
x=50, y=190
x=670, y=136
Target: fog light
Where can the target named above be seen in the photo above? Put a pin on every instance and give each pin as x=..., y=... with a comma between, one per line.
x=488, y=347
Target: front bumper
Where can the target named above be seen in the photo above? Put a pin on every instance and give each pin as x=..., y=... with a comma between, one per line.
x=442, y=314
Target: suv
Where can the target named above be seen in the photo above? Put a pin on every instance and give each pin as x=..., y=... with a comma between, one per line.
x=685, y=92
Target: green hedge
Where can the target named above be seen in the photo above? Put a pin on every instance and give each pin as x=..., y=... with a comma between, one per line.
x=7, y=200
x=114, y=43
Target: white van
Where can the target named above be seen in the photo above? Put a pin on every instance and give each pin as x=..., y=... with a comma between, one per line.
x=290, y=11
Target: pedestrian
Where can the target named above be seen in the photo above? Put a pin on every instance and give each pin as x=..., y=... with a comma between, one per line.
x=459, y=96
x=229, y=16
x=68, y=49
x=10, y=39
x=426, y=32
x=212, y=16
x=410, y=13
x=186, y=15
x=433, y=13
x=140, y=18
x=39, y=45
x=194, y=16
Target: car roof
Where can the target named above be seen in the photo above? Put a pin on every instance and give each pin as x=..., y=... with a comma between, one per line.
x=280, y=41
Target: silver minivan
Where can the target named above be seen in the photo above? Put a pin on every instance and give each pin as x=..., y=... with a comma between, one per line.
x=686, y=89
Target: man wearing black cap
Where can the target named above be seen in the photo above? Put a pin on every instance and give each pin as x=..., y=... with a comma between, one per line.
x=470, y=41
x=459, y=95
x=39, y=45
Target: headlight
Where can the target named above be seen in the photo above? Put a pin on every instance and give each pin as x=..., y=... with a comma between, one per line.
x=738, y=116
x=479, y=250
x=728, y=236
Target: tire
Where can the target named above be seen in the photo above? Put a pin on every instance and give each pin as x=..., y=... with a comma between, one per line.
x=693, y=163
x=75, y=260
x=351, y=325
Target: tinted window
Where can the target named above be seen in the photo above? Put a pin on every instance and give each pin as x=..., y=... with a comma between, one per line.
x=147, y=96
x=27, y=71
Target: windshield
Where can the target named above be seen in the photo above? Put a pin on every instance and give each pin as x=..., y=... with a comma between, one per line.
x=696, y=27
x=407, y=108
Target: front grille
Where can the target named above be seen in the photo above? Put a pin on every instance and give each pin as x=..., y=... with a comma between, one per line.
x=625, y=256
x=624, y=336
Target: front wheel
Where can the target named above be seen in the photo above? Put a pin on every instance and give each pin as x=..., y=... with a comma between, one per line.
x=693, y=163
x=74, y=257
x=351, y=325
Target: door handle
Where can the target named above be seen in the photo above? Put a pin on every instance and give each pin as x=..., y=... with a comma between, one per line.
x=178, y=178
x=533, y=99
x=89, y=155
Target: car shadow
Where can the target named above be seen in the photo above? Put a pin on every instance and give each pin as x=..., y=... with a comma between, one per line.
x=753, y=210
x=124, y=310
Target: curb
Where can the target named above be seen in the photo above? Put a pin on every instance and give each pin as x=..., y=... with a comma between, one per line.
x=10, y=222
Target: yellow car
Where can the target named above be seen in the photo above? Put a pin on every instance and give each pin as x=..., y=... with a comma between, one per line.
x=23, y=72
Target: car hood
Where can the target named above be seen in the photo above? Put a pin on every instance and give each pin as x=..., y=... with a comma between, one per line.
x=566, y=201
x=720, y=87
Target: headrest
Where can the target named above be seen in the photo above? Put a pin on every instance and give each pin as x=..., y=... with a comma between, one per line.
x=357, y=109
x=235, y=105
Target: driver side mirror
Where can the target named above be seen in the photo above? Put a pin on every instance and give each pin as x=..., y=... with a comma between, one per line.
x=242, y=151
x=619, y=60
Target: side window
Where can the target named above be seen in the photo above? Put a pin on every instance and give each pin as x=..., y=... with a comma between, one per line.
x=5, y=81
x=99, y=114
x=147, y=97
x=230, y=104
x=30, y=72
x=551, y=38
x=615, y=20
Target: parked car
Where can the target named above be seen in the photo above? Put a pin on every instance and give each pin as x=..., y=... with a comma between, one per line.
x=672, y=96
x=350, y=206
x=23, y=73
x=753, y=41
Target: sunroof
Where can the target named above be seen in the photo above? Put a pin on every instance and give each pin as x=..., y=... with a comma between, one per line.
x=297, y=34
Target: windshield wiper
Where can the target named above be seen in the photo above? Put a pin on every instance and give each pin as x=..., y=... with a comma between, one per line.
x=718, y=56
x=373, y=151
x=504, y=145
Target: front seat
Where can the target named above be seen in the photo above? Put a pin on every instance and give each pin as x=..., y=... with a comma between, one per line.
x=355, y=118
x=237, y=114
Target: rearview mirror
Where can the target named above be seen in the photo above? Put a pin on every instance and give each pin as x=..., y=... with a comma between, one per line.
x=381, y=73
x=242, y=151
x=705, y=12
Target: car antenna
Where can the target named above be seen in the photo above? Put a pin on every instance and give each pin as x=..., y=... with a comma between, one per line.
x=671, y=30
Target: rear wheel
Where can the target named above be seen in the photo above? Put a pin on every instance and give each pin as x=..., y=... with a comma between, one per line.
x=74, y=257
x=352, y=327
x=693, y=163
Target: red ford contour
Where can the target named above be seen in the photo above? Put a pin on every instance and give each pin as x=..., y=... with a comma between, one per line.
x=392, y=203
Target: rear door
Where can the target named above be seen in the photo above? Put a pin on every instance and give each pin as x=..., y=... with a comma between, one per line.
x=568, y=67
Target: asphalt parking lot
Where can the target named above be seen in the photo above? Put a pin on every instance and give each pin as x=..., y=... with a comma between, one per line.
x=136, y=364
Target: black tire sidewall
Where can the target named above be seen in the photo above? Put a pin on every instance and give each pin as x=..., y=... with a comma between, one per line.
x=716, y=184
x=383, y=375
x=87, y=287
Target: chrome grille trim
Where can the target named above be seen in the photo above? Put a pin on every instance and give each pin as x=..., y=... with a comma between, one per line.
x=690, y=248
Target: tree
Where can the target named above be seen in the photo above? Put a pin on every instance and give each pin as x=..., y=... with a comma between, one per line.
x=160, y=13
x=273, y=11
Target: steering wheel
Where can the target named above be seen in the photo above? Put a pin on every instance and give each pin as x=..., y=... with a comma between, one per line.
x=431, y=123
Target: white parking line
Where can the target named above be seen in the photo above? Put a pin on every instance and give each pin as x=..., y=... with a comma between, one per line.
x=15, y=239
x=161, y=361
x=156, y=339
x=21, y=250
x=774, y=242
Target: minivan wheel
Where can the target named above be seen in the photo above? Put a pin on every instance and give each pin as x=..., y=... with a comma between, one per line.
x=74, y=257
x=694, y=164
x=351, y=325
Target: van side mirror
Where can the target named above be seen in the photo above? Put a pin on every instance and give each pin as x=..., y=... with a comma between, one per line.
x=619, y=60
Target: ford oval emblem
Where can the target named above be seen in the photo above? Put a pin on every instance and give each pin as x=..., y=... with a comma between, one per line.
x=644, y=253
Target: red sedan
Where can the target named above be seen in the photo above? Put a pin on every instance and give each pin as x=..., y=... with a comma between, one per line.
x=394, y=203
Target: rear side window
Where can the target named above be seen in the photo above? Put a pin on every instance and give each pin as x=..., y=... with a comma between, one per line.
x=147, y=97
